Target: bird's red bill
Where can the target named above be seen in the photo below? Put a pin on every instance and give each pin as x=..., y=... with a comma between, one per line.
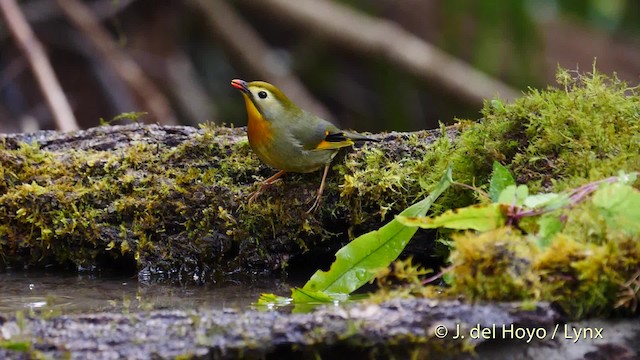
x=239, y=84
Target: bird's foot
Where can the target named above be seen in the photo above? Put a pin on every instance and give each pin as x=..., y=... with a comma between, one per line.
x=263, y=186
x=320, y=190
x=254, y=196
x=314, y=207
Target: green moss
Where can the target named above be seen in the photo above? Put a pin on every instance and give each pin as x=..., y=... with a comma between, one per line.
x=380, y=181
x=142, y=201
x=587, y=263
x=495, y=265
x=587, y=129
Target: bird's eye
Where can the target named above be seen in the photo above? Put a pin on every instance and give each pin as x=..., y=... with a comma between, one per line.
x=262, y=94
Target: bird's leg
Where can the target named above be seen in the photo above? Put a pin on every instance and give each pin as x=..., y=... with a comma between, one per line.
x=265, y=184
x=320, y=190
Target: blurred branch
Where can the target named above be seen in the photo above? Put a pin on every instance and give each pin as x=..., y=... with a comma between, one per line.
x=245, y=44
x=153, y=100
x=38, y=11
x=174, y=72
x=43, y=10
x=356, y=31
x=32, y=49
x=187, y=90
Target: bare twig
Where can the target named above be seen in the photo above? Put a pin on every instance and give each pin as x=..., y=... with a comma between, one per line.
x=32, y=49
x=153, y=100
x=354, y=30
x=247, y=47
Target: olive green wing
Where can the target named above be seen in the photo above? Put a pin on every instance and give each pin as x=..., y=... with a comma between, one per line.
x=315, y=133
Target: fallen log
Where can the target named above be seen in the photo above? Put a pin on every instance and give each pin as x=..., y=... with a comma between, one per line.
x=171, y=201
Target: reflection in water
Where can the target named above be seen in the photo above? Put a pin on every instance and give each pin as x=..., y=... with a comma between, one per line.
x=56, y=293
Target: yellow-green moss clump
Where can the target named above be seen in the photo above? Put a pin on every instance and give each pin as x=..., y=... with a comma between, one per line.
x=495, y=265
x=587, y=129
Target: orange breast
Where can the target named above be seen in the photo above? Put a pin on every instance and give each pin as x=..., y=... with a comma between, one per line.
x=260, y=135
x=258, y=129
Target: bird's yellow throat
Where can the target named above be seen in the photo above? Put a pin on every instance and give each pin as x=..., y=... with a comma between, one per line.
x=258, y=129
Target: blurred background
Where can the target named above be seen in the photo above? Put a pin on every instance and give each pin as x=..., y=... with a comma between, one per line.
x=369, y=65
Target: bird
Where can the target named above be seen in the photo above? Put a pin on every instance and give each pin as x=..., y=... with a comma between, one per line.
x=288, y=138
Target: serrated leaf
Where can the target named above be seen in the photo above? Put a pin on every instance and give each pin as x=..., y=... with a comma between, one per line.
x=514, y=195
x=500, y=179
x=475, y=217
x=358, y=262
x=548, y=227
x=620, y=204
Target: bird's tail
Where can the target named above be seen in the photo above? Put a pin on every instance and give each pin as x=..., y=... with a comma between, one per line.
x=347, y=135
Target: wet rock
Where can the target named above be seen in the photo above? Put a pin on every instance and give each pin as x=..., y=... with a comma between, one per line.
x=398, y=328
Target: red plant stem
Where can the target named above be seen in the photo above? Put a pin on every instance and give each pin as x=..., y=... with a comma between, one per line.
x=437, y=276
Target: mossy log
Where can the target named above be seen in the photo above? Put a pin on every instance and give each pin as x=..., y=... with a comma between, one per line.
x=396, y=329
x=172, y=200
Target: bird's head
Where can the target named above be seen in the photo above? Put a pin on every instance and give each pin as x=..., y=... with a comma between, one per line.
x=265, y=100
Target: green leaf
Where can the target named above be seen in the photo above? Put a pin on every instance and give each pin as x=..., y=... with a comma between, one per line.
x=500, y=179
x=514, y=195
x=315, y=297
x=628, y=179
x=358, y=262
x=539, y=200
x=302, y=300
x=448, y=278
x=548, y=227
x=620, y=204
x=550, y=201
x=307, y=300
x=268, y=299
x=498, y=105
x=475, y=217
x=21, y=346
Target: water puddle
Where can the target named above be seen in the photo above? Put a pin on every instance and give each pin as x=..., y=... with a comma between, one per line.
x=56, y=294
